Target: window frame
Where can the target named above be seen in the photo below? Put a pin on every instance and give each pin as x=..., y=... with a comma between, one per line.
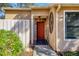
x=66, y=39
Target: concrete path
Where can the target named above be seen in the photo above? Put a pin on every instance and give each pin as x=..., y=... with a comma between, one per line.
x=43, y=50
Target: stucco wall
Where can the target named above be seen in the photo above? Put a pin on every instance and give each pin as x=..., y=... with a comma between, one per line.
x=40, y=12
x=52, y=36
x=17, y=14
x=62, y=44
x=46, y=29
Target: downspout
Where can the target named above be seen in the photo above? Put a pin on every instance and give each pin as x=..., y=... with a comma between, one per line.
x=57, y=10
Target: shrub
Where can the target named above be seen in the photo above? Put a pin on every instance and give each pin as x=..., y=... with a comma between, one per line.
x=10, y=44
x=71, y=53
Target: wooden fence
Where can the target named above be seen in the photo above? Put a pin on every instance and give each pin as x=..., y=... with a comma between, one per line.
x=21, y=27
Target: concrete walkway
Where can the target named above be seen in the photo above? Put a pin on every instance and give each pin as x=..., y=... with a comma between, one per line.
x=43, y=50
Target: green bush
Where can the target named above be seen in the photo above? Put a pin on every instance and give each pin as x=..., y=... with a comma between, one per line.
x=10, y=44
x=71, y=53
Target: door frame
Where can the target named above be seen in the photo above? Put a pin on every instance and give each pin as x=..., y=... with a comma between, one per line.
x=35, y=26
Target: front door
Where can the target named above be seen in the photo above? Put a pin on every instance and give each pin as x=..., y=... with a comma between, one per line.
x=41, y=34
x=40, y=31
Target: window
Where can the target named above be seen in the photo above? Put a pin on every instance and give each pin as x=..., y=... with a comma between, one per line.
x=71, y=25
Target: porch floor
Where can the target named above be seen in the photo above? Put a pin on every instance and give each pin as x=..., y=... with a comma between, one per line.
x=43, y=50
x=41, y=42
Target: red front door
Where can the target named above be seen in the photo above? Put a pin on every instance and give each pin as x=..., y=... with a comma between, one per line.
x=40, y=30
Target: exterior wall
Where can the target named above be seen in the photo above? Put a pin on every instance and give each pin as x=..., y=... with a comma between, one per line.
x=40, y=12
x=35, y=13
x=62, y=44
x=52, y=36
x=17, y=14
x=46, y=29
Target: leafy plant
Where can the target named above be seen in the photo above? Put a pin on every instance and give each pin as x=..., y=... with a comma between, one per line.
x=10, y=44
x=71, y=53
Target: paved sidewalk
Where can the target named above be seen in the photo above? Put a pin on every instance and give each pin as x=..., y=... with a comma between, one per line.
x=43, y=50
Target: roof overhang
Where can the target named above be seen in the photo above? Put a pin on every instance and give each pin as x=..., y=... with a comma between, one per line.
x=62, y=4
x=39, y=7
x=30, y=8
x=9, y=8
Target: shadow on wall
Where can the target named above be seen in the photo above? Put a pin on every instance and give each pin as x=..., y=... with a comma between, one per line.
x=65, y=44
x=23, y=16
x=69, y=45
x=22, y=27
